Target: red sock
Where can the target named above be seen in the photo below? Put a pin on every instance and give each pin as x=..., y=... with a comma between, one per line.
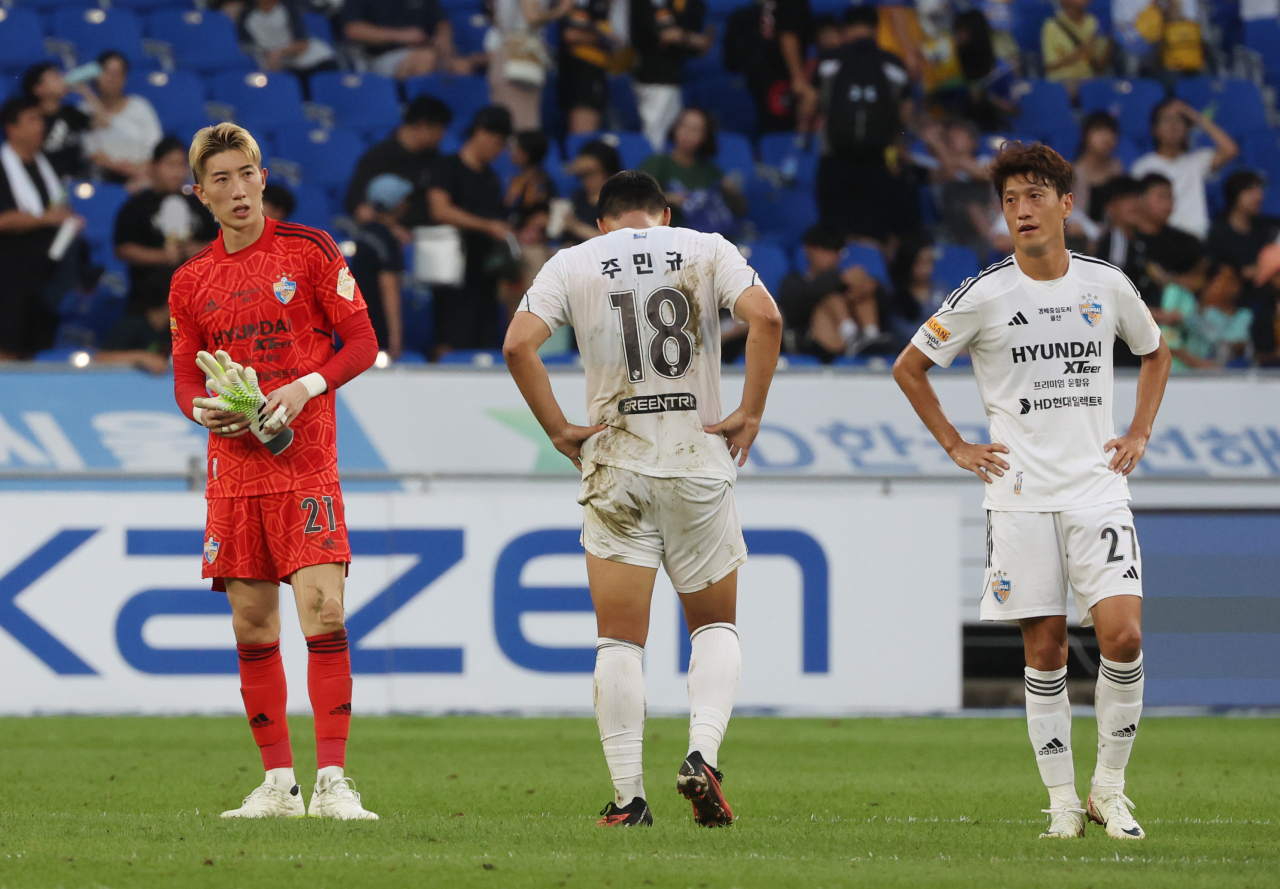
x=329, y=682
x=262, y=686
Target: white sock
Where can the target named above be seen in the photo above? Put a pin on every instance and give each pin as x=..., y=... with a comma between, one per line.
x=848, y=330
x=715, y=665
x=871, y=331
x=282, y=778
x=619, y=696
x=328, y=775
x=1049, y=726
x=1118, y=702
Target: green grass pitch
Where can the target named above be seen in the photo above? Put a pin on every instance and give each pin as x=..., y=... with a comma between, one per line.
x=470, y=801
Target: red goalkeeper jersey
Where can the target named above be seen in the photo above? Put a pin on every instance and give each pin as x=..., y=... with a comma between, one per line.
x=272, y=306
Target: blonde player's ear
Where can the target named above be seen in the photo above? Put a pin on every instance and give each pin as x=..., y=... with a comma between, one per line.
x=666, y=216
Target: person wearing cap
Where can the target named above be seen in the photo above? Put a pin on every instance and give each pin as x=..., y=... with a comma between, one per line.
x=466, y=193
x=378, y=263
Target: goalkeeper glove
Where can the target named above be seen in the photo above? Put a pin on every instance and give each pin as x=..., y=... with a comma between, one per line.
x=236, y=388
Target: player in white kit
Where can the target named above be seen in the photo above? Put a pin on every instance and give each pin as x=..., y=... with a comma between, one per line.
x=1040, y=327
x=657, y=462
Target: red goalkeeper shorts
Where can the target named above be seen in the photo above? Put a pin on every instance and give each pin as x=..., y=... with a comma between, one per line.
x=273, y=535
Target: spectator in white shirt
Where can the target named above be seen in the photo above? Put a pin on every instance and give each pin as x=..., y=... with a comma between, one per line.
x=1171, y=124
x=125, y=128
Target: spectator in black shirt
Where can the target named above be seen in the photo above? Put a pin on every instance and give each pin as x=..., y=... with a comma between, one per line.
x=664, y=33
x=402, y=38
x=532, y=185
x=587, y=44
x=828, y=311
x=65, y=125
x=378, y=263
x=278, y=202
x=466, y=193
x=411, y=153
x=142, y=338
x=765, y=42
x=165, y=225
x=32, y=208
x=1264, y=300
x=1240, y=233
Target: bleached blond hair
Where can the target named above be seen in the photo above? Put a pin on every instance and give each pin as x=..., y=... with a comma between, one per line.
x=217, y=139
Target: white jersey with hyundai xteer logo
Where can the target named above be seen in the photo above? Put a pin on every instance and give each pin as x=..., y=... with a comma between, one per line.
x=1042, y=358
x=644, y=305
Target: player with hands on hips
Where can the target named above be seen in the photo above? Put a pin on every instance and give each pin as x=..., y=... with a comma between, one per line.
x=1040, y=326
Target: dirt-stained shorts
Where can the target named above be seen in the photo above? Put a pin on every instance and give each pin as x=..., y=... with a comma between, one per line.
x=689, y=526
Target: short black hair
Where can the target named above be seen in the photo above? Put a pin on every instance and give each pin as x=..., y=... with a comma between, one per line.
x=108, y=54
x=862, y=14
x=527, y=213
x=1118, y=187
x=166, y=145
x=534, y=144
x=1239, y=182
x=273, y=193
x=428, y=109
x=32, y=76
x=605, y=153
x=492, y=119
x=630, y=190
x=1096, y=120
x=1152, y=180
x=11, y=110
x=823, y=238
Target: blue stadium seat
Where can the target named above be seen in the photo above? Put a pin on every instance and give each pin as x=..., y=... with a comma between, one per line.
x=45, y=6
x=200, y=41
x=770, y=262
x=177, y=96
x=869, y=258
x=561, y=359
x=98, y=203
x=632, y=147
x=327, y=157
x=1263, y=37
x=784, y=218
x=58, y=354
x=953, y=263
x=1262, y=153
x=1028, y=19
x=708, y=65
x=460, y=5
x=736, y=155
x=469, y=27
x=474, y=357
x=727, y=98
x=318, y=26
x=312, y=207
x=1043, y=108
x=623, y=110
x=1233, y=104
x=261, y=102
x=143, y=7
x=465, y=95
x=1129, y=101
x=364, y=102
x=91, y=31
x=21, y=39
x=796, y=162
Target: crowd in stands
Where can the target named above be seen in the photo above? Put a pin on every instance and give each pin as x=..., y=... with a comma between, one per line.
x=452, y=146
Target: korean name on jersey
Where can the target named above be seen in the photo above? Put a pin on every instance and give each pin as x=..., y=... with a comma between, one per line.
x=644, y=305
x=1042, y=357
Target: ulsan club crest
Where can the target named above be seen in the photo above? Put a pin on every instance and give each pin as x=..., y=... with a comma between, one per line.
x=285, y=289
x=1091, y=310
x=211, y=547
x=1000, y=587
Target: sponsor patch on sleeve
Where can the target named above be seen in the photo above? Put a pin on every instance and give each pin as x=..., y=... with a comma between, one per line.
x=938, y=330
x=346, y=284
x=173, y=324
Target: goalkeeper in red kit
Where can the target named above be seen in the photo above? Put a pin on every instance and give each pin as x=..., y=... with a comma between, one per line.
x=271, y=296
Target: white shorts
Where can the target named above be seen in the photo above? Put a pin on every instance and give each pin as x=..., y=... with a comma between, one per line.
x=688, y=525
x=1033, y=556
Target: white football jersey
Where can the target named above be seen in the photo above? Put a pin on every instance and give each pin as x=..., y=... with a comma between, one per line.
x=1042, y=356
x=644, y=305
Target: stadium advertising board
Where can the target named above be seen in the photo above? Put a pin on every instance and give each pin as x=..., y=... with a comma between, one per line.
x=475, y=599
x=476, y=423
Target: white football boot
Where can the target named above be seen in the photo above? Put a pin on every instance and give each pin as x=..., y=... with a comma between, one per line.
x=337, y=798
x=1066, y=822
x=1109, y=807
x=269, y=800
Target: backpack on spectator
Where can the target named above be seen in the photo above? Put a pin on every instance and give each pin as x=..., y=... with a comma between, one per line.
x=862, y=112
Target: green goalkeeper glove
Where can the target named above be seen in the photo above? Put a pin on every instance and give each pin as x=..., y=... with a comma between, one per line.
x=237, y=390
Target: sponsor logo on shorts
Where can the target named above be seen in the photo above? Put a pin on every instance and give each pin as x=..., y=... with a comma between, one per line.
x=211, y=547
x=284, y=289
x=938, y=330
x=657, y=404
x=1001, y=587
x=1091, y=310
